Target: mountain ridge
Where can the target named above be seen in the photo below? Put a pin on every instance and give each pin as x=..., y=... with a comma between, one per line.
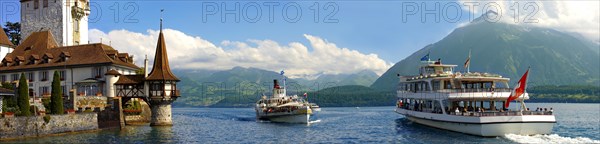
x=556, y=58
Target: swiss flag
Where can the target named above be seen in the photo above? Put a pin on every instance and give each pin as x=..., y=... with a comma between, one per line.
x=519, y=89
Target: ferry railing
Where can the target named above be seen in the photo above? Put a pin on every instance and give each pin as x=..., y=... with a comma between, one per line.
x=459, y=90
x=506, y=113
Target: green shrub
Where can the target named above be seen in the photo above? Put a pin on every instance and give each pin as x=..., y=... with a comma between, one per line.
x=47, y=118
x=56, y=102
x=23, y=100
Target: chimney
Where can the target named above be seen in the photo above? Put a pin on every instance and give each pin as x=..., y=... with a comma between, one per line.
x=146, y=66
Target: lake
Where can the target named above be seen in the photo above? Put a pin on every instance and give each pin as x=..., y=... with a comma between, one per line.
x=575, y=123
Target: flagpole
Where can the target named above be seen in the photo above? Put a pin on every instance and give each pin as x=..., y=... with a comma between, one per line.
x=469, y=66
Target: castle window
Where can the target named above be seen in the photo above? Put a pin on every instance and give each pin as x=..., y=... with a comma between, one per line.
x=30, y=76
x=64, y=90
x=15, y=77
x=36, y=4
x=45, y=3
x=62, y=74
x=97, y=72
x=3, y=78
x=76, y=27
x=45, y=91
x=44, y=75
x=64, y=56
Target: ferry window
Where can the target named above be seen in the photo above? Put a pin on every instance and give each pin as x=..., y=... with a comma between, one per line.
x=501, y=85
x=447, y=69
x=447, y=85
x=436, y=85
x=487, y=85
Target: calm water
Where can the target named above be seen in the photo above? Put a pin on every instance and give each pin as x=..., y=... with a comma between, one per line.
x=576, y=123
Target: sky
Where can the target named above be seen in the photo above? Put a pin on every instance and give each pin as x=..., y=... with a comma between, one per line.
x=307, y=38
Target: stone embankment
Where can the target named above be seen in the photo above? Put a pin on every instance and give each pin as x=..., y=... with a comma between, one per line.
x=18, y=127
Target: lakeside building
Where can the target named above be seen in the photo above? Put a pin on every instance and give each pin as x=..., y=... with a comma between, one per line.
x=82, y=68
x=90, y=74
x=53, y=32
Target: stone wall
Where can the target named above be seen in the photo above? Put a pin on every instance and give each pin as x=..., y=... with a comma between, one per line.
x=17, y=127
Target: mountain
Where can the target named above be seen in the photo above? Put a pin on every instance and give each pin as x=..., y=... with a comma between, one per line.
x=241, y=85
x=555, y=58
x=363, y=78
x=351, y=95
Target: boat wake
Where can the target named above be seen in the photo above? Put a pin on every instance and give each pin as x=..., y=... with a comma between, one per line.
x=552, y=138
x=315, y=121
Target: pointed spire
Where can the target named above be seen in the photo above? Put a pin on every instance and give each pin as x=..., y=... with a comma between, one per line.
x=161, y=70
x=161, y=19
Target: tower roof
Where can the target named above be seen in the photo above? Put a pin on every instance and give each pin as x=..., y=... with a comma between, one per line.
x=161, y=69
x=4, y=39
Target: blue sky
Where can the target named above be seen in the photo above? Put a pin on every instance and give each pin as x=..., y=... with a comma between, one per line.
x=369, y=27
x=347, y=37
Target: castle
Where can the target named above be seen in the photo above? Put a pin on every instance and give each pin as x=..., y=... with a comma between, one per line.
x=91, y=74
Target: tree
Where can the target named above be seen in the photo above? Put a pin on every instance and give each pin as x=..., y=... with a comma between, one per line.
x=56, y=99
x=8, y=101
x=11, y=101
x=140, y=71
x=23, y=100
x=13, y=31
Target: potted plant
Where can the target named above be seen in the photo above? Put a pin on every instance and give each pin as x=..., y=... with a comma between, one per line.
x=42, y=112
x=70, y=111
x=9, y=114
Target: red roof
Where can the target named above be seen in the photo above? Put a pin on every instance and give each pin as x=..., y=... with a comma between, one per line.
x=4, y=41
x=42, y=43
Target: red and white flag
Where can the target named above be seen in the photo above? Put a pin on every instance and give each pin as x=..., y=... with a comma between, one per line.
x=519, y=89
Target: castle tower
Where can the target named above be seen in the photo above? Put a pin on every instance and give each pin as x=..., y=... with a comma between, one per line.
x=66, y=19
x=162, y=85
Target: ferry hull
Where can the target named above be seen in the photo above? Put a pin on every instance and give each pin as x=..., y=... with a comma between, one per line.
x=484, y=126
x=488, y=130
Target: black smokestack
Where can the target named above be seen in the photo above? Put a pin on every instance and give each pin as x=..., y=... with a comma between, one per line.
x=275, y=83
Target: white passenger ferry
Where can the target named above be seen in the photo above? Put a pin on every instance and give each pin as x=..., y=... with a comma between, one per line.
x=472, y=103
x=283, y=108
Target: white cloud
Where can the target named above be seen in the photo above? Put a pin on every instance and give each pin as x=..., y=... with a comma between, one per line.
x=193, y=52
x=581, y=17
